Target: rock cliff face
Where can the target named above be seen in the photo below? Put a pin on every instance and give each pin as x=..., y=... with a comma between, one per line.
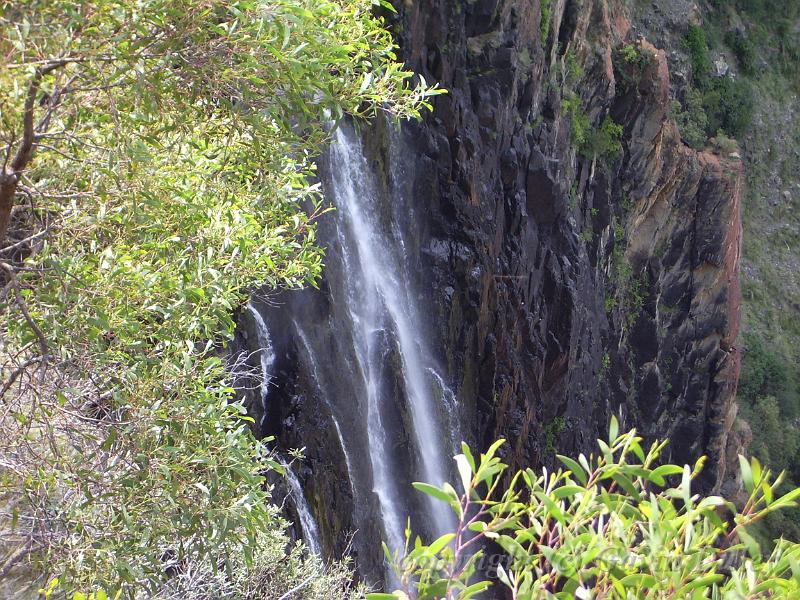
x=561, y=282
x=580, y=286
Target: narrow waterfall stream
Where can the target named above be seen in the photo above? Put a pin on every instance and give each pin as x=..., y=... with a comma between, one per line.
x=266, y=352
x=379, y=303
x=266, y=356
x=307, y=522
x=349, y=374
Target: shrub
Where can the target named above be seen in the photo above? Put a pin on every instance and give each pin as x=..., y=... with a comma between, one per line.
x=545, y=16
x=579, y=120
x=725, y=144
x=692, y=120
x=728, y=104
x=630, y=62
x=696, y=45
x=743, y=48
x=604, y=142
x=279, y=570
x=612, y=525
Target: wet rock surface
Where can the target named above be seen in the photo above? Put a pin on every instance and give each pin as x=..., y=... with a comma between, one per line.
x=557, y=287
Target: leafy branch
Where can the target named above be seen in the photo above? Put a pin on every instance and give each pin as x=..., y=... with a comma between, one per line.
x=605, y=526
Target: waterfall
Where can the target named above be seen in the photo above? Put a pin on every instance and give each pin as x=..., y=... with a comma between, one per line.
x=380, y=306
x=308, y=524
x=266, y=355
x=313, y=361
x=360, y=387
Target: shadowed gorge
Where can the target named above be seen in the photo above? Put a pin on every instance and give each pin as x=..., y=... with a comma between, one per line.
x=534, y=283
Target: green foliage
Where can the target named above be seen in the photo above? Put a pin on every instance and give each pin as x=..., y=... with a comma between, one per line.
x=725, y=144
x=574, y=69
x=171, y=166
x=603, y=142
x=696, y=45
x=743, y=48
x=630, y=62
x=769, y=399
x=551, y=430
x=278, y=568
x=615, y=524
x=768, y=372
x=763, y=30
x=572, y=105
x=728, y=104
x=692, y=121
x=714, y=103
x=546, y=17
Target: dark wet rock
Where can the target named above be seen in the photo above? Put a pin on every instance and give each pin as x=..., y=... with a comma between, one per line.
x=562, y=289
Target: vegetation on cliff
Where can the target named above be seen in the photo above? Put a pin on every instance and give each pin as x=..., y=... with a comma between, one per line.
x=760, y=39
x=156, y=169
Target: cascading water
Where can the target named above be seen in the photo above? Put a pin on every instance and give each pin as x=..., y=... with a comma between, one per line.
x=321, y=386
x=378, y=302
x=267, y=359
x=266, y=356
x=353, y=378
x=308, y=524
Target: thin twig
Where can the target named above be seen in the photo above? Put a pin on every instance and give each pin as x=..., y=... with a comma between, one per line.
x=296, y=588
x=43, y=347
x=16, y=373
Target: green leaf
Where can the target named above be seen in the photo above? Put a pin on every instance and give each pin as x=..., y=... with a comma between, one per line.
x=753, y=547
x=468, y=454
x=627, y=485
x=440, y=543
x=703, y=582
x=475, y=588
x=552, y=508
x=433, y=491
x=567, y=491
x=613, y=430
x=464, y=471
x=576, y=469
x=639, y=581
x=747, y=474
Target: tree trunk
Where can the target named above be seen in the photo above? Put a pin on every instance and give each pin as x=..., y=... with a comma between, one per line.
x=8, y=188
x=11, y=174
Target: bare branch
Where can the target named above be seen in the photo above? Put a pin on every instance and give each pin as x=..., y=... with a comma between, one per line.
x=43, y=347
x=16, y=373
x=17, y=556
x=30, y=238
x=25, y=150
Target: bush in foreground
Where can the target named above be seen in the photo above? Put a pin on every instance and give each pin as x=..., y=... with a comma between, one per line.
x=608, y=526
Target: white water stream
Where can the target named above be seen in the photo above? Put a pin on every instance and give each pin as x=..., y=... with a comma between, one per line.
x=379, y=303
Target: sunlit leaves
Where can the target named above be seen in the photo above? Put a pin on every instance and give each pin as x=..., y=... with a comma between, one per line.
x=176, y=173
x=607, y=527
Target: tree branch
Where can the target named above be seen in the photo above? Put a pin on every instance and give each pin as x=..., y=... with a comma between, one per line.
x=9, y=177
x=17, y=556
x=25, y=150
x=43, y=347
x=16, y=373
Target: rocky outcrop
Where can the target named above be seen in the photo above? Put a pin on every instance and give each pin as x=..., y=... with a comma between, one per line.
x=582, y=285
x=564, y=286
